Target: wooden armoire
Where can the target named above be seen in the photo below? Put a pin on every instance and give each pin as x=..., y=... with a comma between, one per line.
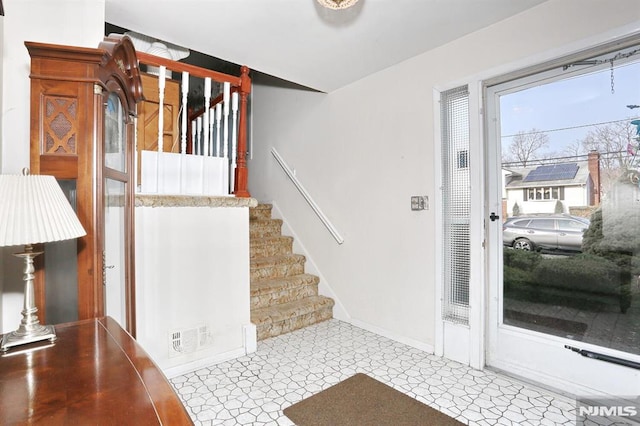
x=83, y=104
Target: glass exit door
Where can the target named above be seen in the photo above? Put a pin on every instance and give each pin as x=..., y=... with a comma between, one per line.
x=564, y=258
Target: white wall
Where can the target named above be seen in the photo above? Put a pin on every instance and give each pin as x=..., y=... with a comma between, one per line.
x=1, y=87
x=192, y=269
x=1, y=114
x=576, y=196
x=363, y=150
x=72, y=22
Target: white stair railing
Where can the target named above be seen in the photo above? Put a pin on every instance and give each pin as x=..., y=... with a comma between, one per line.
x=214, y=139
x=212, y=165
x=323, y=218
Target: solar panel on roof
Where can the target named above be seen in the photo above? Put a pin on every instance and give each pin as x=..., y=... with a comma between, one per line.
x=552, y=172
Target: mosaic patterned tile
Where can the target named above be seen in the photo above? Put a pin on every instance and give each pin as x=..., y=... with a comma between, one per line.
x=254, y=389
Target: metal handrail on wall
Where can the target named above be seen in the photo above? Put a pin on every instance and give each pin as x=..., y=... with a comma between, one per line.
x=327, y=223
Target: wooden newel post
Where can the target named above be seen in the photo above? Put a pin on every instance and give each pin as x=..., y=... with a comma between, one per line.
x=242, y=173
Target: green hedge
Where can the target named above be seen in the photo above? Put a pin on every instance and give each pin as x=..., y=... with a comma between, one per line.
x=582, y=281
x=518, y=268
x=521, y=259
x=580, y=273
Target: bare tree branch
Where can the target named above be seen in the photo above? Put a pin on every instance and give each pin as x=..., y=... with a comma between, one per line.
x=575, y=149
x=611, y=141
x=527, y=146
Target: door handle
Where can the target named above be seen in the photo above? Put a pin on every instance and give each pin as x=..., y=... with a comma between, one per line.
x=105, y=267
x=104, y=272
x=493, y=216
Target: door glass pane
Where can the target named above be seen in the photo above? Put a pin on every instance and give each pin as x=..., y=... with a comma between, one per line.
x=114, y=250
x=572, y=145
x=61, y=271
x=114, y=137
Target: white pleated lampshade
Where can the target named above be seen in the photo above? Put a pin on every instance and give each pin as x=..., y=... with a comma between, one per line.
x=33, y=209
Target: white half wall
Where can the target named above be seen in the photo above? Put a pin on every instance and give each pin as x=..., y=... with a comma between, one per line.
x=70, y=22
x=192, y=270
x=364, y=150
x=2, y=255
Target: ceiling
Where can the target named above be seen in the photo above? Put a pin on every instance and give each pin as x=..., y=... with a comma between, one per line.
x=304, y=43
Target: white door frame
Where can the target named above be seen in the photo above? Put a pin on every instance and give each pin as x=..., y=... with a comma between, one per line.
x=471, y=344
x=463, y=343
x=534, y=355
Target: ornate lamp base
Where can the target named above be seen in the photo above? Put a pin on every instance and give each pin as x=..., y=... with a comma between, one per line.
x=30, y=329
x=15, y=338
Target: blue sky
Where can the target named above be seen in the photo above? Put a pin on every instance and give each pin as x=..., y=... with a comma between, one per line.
x=577, y=101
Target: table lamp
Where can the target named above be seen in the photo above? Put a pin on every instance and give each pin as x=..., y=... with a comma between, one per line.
x=33, y=210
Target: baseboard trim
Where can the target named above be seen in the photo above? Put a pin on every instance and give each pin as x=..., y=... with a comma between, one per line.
x=250, y=335
x=425, y=347
x=188, y=367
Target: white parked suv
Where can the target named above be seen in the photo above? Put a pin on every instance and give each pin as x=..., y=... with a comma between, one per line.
x=544, y=232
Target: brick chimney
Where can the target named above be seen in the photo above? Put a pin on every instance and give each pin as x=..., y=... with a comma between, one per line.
x=594, y=173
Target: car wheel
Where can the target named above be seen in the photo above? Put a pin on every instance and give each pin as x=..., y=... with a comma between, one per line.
x=523, y=244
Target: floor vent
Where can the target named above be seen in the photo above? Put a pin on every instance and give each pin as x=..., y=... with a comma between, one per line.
x=189, y=340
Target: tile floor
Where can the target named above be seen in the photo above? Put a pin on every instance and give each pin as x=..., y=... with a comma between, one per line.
x=254, y=389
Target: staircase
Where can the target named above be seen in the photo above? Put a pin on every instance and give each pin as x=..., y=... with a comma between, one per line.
x=283, y=297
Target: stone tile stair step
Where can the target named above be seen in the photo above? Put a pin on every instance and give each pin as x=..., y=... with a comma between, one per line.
x=261, y=211
x=271, y=292
x=270, y=246
x=261, y=228
x=276, y=266
x=286, y=317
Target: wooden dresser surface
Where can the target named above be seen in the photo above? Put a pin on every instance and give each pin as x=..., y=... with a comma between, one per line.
x=93, y=374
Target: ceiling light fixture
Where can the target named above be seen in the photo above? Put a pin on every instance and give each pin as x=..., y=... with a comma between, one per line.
x=337, y=4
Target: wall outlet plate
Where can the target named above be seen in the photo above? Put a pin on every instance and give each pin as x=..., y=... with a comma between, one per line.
x=419, y=202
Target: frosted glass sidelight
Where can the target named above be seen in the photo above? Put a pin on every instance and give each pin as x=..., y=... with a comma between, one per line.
x=456, y=203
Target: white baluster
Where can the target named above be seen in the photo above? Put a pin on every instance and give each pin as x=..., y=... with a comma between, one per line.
x=218, y=119
x=212, y=118
x=194, y=145
x=225, y=113
x=234, y=138
x=185, y=92
x=199, y=138
x=161, y=84
x=205, y=116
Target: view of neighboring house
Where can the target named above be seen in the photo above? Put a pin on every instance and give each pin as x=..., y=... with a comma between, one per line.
x=537, y=189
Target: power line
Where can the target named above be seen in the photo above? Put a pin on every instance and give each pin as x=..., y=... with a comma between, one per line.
x=608, y=155
x=569, y=128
